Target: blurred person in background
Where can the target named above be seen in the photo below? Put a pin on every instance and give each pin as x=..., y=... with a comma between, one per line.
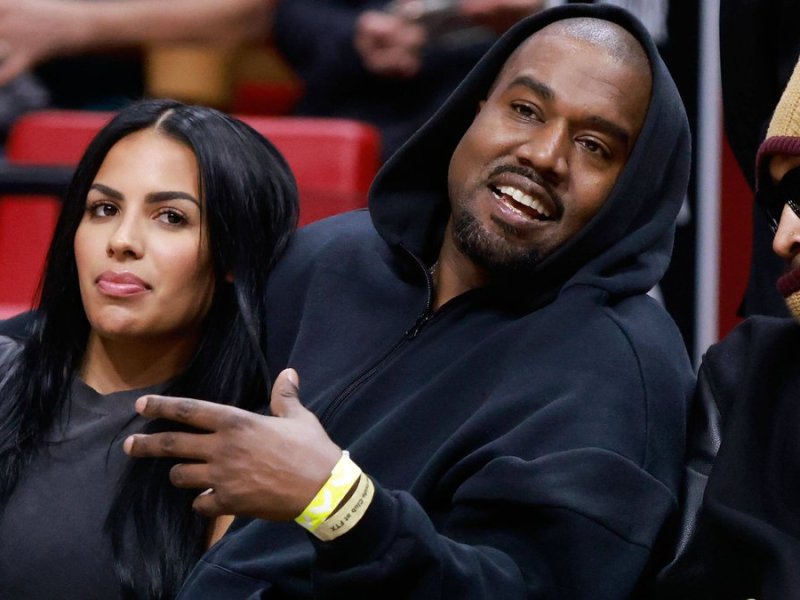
x=391, y=63
x=50, y=49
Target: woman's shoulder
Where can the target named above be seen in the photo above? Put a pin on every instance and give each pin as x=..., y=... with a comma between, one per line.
x=9, y=350
x=19, y=326
x=9, y=347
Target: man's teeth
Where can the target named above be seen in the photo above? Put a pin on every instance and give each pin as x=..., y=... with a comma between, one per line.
x=523, y=198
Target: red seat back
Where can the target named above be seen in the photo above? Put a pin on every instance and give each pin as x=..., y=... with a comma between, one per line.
x=333, y=160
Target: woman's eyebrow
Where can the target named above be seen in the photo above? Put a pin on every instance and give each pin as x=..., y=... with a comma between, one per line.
x=107, y=191
x=166, y=196
x=151, y=198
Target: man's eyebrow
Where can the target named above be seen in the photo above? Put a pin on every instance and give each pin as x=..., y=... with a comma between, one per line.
x=151, y=198
x=610, y=128
x=545, y=91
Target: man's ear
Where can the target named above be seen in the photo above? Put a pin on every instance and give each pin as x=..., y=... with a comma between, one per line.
x=480, y=106
x=229, y=277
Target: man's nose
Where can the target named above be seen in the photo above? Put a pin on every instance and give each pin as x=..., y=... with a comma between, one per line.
x=125, y=240
x=546, y=150
x=786, y=242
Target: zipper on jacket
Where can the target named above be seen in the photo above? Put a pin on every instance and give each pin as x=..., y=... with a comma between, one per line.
x=331, y=409
x=409, y=334
x=420, y=323
x=427, y=313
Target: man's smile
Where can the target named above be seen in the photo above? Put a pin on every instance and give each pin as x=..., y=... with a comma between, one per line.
x=521, y=201
x=523, y=190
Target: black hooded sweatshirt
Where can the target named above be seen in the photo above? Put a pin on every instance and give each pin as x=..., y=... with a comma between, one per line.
x=525, y=440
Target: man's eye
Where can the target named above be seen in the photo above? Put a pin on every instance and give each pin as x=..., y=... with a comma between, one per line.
x=594, y=147
x=591, y=146
x=525, y=110
x=171, y=217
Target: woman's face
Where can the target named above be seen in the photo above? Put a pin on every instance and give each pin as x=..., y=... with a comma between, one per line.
x=144, y=265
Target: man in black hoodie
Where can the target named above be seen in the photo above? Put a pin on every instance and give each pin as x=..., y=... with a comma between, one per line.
x=482, y=344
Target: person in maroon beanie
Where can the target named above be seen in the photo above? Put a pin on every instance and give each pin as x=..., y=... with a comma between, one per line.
x=741, y=528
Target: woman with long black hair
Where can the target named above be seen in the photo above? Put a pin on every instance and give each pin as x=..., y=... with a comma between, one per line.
x=154, y=282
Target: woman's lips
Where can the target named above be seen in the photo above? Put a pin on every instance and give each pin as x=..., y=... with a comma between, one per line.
x=121, y=285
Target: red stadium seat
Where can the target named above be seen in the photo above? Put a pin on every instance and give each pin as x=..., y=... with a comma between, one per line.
x=333, y=160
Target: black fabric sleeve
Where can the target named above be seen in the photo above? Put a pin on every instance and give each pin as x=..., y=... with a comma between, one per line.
x=683, y=576
x=574, y=524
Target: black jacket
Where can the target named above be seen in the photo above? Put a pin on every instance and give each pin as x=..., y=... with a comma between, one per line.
x=525, y=440
x=746, y=538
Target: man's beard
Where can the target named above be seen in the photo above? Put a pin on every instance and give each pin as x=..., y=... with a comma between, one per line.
x=496, y=255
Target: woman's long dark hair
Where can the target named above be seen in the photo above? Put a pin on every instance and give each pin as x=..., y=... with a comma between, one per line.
x=250, y=212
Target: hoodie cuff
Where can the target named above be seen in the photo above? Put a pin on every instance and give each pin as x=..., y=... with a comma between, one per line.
x=364, y=542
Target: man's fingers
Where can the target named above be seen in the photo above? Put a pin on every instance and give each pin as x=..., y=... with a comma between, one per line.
x=169, y=444
x=285, y=399
x=207, y=504
x=192, y=475
x=198, y=413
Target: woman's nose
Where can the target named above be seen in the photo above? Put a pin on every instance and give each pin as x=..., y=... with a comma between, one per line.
x=125, y=240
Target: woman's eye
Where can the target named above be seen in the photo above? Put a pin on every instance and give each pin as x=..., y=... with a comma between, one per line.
x=171, y=217
x=103, y=209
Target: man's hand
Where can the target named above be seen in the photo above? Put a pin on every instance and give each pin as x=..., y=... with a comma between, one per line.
x=389, y=45
x=268, y=467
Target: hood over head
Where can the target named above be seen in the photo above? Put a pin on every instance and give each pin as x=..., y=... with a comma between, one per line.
x=624, y=249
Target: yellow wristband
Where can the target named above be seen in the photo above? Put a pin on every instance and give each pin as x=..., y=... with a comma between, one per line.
x=344, y=474
x=344, y=519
